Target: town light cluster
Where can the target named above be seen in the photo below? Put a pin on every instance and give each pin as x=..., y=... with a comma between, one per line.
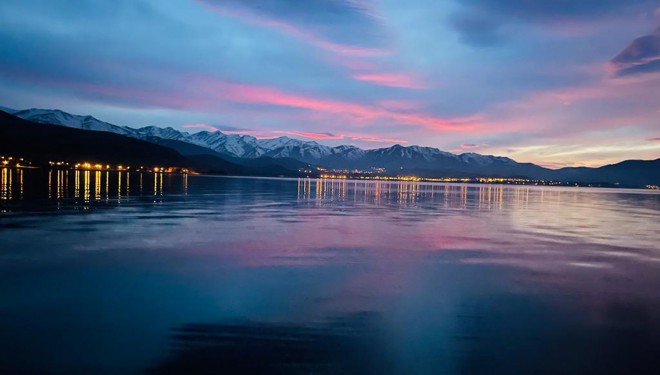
x=14, y=162
x=19, y=162
x=481, y=180
x=128, y=168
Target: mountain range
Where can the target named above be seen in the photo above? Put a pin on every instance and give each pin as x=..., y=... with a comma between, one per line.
x=41, y=143
x=245, y=146
x=287, y=154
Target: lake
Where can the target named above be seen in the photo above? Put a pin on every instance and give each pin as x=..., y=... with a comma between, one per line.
x=128, y=273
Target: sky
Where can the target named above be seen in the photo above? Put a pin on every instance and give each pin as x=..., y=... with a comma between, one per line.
x=559, y=83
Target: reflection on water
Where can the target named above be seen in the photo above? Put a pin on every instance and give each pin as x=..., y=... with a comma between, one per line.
x=97, y=185
x=404, y=193
x=11, y=184
x=118, y=273
x=89, y=186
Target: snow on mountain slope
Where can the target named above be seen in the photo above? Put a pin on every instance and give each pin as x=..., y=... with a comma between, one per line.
x=57, y=117
x=245, y=146
x=275, y=143
x=411, y=152
x=349, y=152
x=301, y=150
x=165, y=133
x=483, y=160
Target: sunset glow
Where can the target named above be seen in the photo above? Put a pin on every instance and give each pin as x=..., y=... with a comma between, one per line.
x=512, y=80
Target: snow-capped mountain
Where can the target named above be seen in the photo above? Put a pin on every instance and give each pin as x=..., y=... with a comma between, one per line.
x=286, y=156
x=57, y=117
x=245, y=146
x=484, y=160
x=242, y=146
x=411, y=153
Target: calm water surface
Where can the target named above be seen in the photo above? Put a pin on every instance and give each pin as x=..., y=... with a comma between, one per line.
x=107, y=273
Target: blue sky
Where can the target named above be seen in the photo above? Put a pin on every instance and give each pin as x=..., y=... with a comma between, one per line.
x=558, y=83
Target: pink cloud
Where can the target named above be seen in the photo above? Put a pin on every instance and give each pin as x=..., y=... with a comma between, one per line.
x=400, y=80
x=368, y=71
x=270, y=134
x=565, y=96
x=220, y=91
x=202, y=126
x=259, y=134
x=378, y=140
x=654, y=139
x=209, y=94
x=604, y=104
x=469, y=145
x=310, y=134
x=254, y=94
x=348, y=136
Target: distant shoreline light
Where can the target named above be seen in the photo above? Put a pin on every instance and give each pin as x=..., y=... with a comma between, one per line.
x=19, y=162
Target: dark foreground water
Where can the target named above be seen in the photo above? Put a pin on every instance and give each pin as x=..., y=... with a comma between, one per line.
x=102, y=273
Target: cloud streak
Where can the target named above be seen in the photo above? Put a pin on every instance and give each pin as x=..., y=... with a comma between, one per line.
x=495, y=74
x=309, y=134
x=343, y=26
x=255, y=94
x=349, y=137
x=262, y=134
x=641, y=56
x=201, y=126
x=392, y=80
x=472, y=145
x=481, y=22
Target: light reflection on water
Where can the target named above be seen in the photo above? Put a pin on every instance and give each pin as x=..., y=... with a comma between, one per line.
x=60, y=184
x=107, y=272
